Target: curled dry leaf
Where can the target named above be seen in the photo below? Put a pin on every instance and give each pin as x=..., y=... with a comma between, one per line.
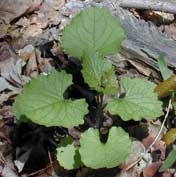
x=11, y=9
x=48, y=15
x=170, y=136
x=166, y=87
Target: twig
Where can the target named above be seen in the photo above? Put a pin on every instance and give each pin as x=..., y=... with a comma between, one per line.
x=156, y=138
x=39, y=171
x=162, y=126
x=157, y=5
x=133, y=163
x=51, y=162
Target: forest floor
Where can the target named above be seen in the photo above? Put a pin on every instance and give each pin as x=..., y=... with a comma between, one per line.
x=30, y=45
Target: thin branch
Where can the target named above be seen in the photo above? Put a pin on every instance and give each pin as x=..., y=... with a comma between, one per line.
x=156, y=138
x=162, y=126
x=157, y=5
x=50, y=160
x=39, y=171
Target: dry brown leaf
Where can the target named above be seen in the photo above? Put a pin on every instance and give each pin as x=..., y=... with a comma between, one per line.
x=151, y=169
x=11, y=9
x=166, y=87
x=133, y=167
x=31, y=67
x=47, y=15
x=170, y=30
x=44, y=64
x=167, y=174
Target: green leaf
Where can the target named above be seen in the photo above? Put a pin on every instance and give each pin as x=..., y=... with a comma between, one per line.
x=93, y=30
x=139, y=102
x=42, y=102
x=170, y=160
x=165, y=71
x=67, y=155
x=96, y=154
x=99, y=74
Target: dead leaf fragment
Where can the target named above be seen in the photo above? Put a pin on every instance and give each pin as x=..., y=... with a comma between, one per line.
x=151, y=169
x=165, y=87
x=170, y=136
x=26, y=52
x=11, y=9
x=135, y=164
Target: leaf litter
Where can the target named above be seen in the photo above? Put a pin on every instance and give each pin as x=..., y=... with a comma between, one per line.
x=25, y=30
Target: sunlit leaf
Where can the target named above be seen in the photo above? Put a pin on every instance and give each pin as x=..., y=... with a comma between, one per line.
x=93, y=30
x=139, y=101
x=96, y=154
x=42, y=102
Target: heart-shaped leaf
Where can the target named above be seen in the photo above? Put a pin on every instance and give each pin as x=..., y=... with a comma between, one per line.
x=139, y=102
x=96, y=154
x=93, y=30
x=42, y=101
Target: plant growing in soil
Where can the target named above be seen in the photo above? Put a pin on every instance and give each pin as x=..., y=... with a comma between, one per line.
x=92, y=35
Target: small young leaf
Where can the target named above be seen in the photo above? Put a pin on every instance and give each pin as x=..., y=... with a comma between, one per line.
x=93, y=30
x=42, y=102
x=170, y=136
x=99, y=74
x=170, y=160
x=68, y=156
x=166, y=87
x=139, y=102
x=96, y=154
x=165, y=71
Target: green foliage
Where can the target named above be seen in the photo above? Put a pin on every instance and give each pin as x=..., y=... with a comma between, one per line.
x=92, y=34
x=95, y=154
x=93, y=30
x=99, y=74
x=139, y=102
x=42, y=102
x=170, y=160
x=165, y=71
x=68, y=155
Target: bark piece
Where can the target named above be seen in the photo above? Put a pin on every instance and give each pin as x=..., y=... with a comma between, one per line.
x=157, y=5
